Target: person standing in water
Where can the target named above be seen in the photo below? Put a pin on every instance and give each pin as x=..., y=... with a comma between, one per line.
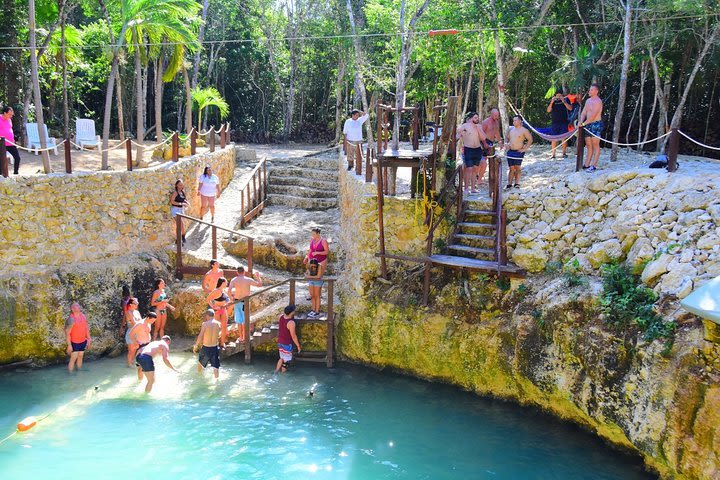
x=591, y=120
x=159, y=302
x=78, y=338
x=141, y=334
x=212, y=276
x=238, y=289
x=178, y=202
x=207, y=341
x=218, y=301
x=286, y=338
x=131, y=318
x=208, y=189
x=145, y=362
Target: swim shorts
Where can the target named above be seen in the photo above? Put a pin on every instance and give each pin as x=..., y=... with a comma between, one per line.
x=558, y=129
x=595, y=128
x=79, y=347
x=240, y=313
x=285, y=352
x=175, y=210
x=472, y=156
x=316, y=283
x=211, y=355
x=515, y=158
x=145, y=362
x=127, y=336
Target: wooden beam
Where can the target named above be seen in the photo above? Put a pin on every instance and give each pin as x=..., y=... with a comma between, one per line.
x=381, y=223
x=330, y=348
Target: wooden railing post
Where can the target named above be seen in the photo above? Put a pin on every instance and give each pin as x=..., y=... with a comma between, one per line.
x=381, y=224
x=193, y=142
x=580, y=152
x=247, y=194
x=673, y=149
x=222, y=136
x=250, y=255
x=4, y=167
x=214, y=241
x=330, y=349
x=255, y=190
x=68, y=160
x=178, y=246
x=246, y=325
x=242, y=209
x=368, y=164
x=265, y=180
x=175, y=146
x=291, y=298
x=212, y=138
x=379, y=115
x=503, y=235
x=128, y=154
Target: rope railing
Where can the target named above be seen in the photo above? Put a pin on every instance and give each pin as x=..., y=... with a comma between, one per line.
x=35, y=150
x=697, y=142
x=620, y=144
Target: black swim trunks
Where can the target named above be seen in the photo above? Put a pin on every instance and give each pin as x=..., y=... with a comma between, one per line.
x=515, y=158
x=79, y=347
x=472, y=157
x=145, y=362
x=209, y=355
x=559, y=128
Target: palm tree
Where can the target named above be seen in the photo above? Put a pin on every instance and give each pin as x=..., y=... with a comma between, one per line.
x=209, y=97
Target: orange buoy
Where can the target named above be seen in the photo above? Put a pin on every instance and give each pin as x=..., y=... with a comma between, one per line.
x=451, y=31
x=26, y=424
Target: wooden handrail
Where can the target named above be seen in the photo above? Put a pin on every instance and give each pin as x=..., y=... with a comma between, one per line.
x=443, y=192
x=259, y=181
x=199, y=220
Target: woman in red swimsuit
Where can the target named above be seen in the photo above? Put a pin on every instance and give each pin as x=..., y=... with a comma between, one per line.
x=318, y=251
x=218, y=300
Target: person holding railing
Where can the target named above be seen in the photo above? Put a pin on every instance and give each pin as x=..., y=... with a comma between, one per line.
x=238, y=289
x=178, y=202
x=218, y=301
x=208, y=189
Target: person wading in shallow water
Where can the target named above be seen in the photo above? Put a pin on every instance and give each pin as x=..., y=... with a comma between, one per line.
x=207, y=341
x=286, y=338
x=78, y=338
x=145, y=362
x=218, y=301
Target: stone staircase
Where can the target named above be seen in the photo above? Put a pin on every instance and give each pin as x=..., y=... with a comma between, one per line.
x=309, y=183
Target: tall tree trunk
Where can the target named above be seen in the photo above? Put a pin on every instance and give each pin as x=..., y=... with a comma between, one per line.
x=342, y=64
x=36, y=85
x=139, y=98
x=359, y=69
x=158, y=98
x=468, y=89
x=622, y=93
x=66, y=103
x=201, y=39
x=188, y=101
x=121, y=113
x=504, y=123
x=108, y=110
x=662, y=94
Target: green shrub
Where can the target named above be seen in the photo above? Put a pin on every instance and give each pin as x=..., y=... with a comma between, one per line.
x=628, y=304
x=572, y=274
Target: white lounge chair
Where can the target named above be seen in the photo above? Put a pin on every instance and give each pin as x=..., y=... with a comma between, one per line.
x=34, y=138
x=85, y=133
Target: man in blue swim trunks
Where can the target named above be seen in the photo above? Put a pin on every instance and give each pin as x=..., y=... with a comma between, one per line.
x=145, y=355
x=208, y=340
x=474, y=139
x=238, y=289
x=591, y=120
x=519, y=141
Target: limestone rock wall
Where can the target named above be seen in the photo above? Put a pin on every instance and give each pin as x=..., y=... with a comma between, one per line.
x=57, y=219
x=671, y=220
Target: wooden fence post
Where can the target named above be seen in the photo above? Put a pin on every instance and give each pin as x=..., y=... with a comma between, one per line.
x=330, y=324
x=193, y=142
x=358, y=159
x=381, y=226
x=212, y=138
x=673, y=149
x=175, y=146
x=128, y=154
x=250, y=255
x=214, y=241
x=580, y=148
x=368, y=164
x=246, y=325
x=68, y=161
x=291, y=298
x=4, y=168
x=222, y=136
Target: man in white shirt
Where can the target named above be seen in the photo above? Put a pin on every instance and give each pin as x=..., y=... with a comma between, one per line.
x=352, y=131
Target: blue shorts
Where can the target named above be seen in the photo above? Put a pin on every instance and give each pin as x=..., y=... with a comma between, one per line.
x=285, y=352
x=316, y=283
x=79, y=347
x=239, y=313
x=595, y=128
x=145, y=362
x=175, y=210
x=515, y=158
x=209, y=355
x=472, y=157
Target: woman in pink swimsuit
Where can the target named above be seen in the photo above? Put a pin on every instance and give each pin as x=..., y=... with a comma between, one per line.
x=318, y=251
x=218, y=300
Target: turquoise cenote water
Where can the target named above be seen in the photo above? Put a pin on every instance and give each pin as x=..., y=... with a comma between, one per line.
x=359, y=424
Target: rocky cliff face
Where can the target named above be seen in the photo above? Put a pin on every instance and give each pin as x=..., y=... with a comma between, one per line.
x=544, y=345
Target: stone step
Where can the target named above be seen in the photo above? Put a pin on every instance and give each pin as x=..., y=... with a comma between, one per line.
x=304, y=181
x=300, y=191
x=480, y=204
x=302, y=202
x=473, y=251
x=321, y=163
x=469, y=227
x=474, y=240
x=298, y=171
x=480, y=212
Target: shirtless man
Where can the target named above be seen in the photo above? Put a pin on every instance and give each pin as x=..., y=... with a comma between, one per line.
x=211, y=277
x=239, y=288
x=473, y=139
x=141, y=334
x=145, y=359
x=591, y=119
x=207, y=340
x=519, y=140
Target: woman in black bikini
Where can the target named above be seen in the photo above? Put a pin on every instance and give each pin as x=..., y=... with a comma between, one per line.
x=218, y=300
x=178, y=202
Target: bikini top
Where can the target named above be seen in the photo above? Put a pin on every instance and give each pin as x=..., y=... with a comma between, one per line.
x=180, y=198
x=222, y=298
x=162, y=297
